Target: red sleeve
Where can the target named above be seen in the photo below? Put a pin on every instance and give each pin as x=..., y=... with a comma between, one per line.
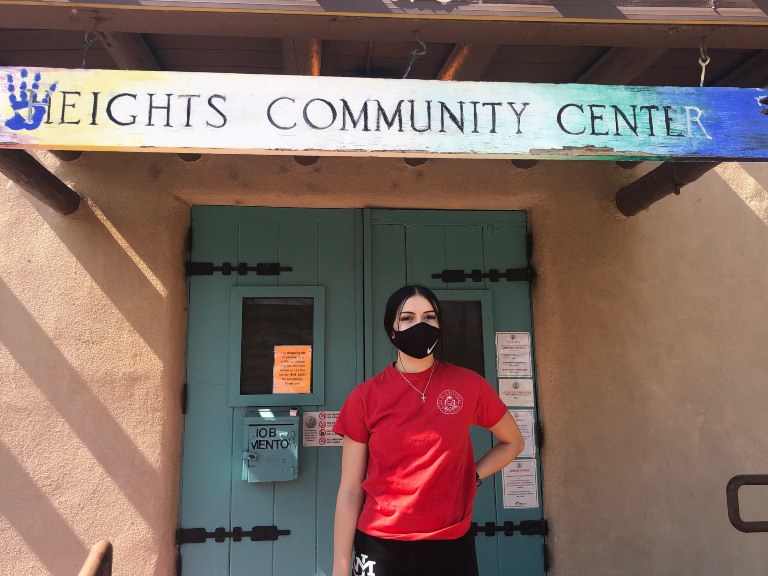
x=351, y=420
x=490, y=407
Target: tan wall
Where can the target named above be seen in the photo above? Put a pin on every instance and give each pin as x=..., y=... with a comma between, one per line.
x=650, y=337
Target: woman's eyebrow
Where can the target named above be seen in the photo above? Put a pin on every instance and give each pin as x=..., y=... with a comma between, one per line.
x=409, y=312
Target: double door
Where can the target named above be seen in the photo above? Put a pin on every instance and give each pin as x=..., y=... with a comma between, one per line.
x=269, y=282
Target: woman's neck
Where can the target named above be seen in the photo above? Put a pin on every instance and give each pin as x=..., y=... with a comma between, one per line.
x=407, y=363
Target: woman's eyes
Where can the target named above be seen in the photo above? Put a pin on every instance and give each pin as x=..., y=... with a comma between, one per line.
x=411, y=318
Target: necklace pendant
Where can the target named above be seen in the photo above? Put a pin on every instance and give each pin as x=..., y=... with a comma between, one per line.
x=423, y=398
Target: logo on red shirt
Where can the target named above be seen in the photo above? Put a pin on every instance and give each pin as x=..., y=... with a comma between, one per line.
x=450, y=402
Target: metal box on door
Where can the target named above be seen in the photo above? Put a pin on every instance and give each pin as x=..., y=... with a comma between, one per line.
x=271, y=452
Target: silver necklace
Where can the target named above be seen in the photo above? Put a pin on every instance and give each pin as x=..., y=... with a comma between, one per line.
x=423, y=394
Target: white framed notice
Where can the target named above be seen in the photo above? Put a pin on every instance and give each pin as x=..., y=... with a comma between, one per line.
x=513, y=355
x=317, y=429
x=524, y=420
x=517, y=391
x=521, y=488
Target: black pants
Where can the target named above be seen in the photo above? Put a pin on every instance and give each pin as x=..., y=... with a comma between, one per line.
x=382, y=557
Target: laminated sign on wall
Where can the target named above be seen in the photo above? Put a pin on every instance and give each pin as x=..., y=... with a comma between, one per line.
x=516, y=392
x=513, y=355
x=317, y=429
x=520, y=485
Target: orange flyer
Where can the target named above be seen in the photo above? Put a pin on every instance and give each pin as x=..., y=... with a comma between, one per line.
x=292, y=372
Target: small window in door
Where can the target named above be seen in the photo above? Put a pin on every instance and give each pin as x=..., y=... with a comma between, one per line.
x=462, y=334
x=276, y=346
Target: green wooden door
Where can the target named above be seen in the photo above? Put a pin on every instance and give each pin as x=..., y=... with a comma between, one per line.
x=320, y=248
x=412, y=247
x=349, y=262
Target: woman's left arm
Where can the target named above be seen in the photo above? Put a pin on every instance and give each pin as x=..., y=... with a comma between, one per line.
x=510, y=445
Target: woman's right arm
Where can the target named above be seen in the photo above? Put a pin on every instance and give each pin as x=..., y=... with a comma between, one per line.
x=354, y=462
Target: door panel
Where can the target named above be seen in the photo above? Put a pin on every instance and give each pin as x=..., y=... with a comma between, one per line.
x=360, y=258
x=322, y=248
x=431, y=242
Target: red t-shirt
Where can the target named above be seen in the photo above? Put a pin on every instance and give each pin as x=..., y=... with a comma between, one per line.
x=421, y=467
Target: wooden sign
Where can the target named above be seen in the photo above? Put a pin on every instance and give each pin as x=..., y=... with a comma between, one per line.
x=259, y=114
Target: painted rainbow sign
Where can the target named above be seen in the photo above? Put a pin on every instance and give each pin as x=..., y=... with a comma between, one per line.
x=258, y=114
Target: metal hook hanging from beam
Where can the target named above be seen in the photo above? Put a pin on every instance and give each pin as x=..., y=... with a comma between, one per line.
x=414, y=55
x=704, y=59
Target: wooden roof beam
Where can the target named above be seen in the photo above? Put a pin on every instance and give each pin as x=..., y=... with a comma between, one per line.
x=23, y=169
x=648, y=33
x=467, y=61
x=129, y=51
x=754, y=72
x=302, y=56
x=660, y=182
x=621, y=66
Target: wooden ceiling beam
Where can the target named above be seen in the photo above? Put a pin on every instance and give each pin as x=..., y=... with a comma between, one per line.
x=620, y=66
x=754, y=72
x=679, y=12
x=24, y=170
x=302, y=56
x=128, y=50
x=659, y=183
x=251, y=23
x=467, y=62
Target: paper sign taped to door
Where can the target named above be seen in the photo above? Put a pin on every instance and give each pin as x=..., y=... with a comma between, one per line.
x=526, y=424
x=513, y=355
x=516, y=392
x=521, y=488
x=292, y=372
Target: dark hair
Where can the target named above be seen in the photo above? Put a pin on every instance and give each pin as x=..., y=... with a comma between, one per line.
x=398, y=298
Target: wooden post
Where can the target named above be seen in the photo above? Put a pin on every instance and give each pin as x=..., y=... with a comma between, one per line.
x=29, y=174
x=302, y=56
x=467, y=61
x=99, y=561
x=658, y=183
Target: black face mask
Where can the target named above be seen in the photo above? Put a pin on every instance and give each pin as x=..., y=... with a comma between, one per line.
x=418, y=341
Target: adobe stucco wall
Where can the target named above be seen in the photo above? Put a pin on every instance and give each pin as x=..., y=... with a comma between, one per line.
x=650, y=336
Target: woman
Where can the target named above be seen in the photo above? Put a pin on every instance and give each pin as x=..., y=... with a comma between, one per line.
x=408, y=476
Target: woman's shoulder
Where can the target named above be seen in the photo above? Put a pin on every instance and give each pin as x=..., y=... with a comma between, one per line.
x=372, y=384
x=459, y=371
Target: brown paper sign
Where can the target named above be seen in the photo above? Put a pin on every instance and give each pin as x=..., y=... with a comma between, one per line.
x=292, y=372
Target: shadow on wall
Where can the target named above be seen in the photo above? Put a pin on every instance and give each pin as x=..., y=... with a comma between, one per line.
x=38, y=522
x=134, y=291
x=662, y=358
x=84, y=413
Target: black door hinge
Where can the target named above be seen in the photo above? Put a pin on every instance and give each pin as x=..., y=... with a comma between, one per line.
x=227, y=268
x=539, y=435
x=493, y=275
x=255, y=534
x=526, y=528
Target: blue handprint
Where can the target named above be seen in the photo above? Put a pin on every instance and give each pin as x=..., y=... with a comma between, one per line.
x=28, y=109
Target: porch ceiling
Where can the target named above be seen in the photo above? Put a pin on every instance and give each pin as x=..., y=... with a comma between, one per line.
x=512, y=62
